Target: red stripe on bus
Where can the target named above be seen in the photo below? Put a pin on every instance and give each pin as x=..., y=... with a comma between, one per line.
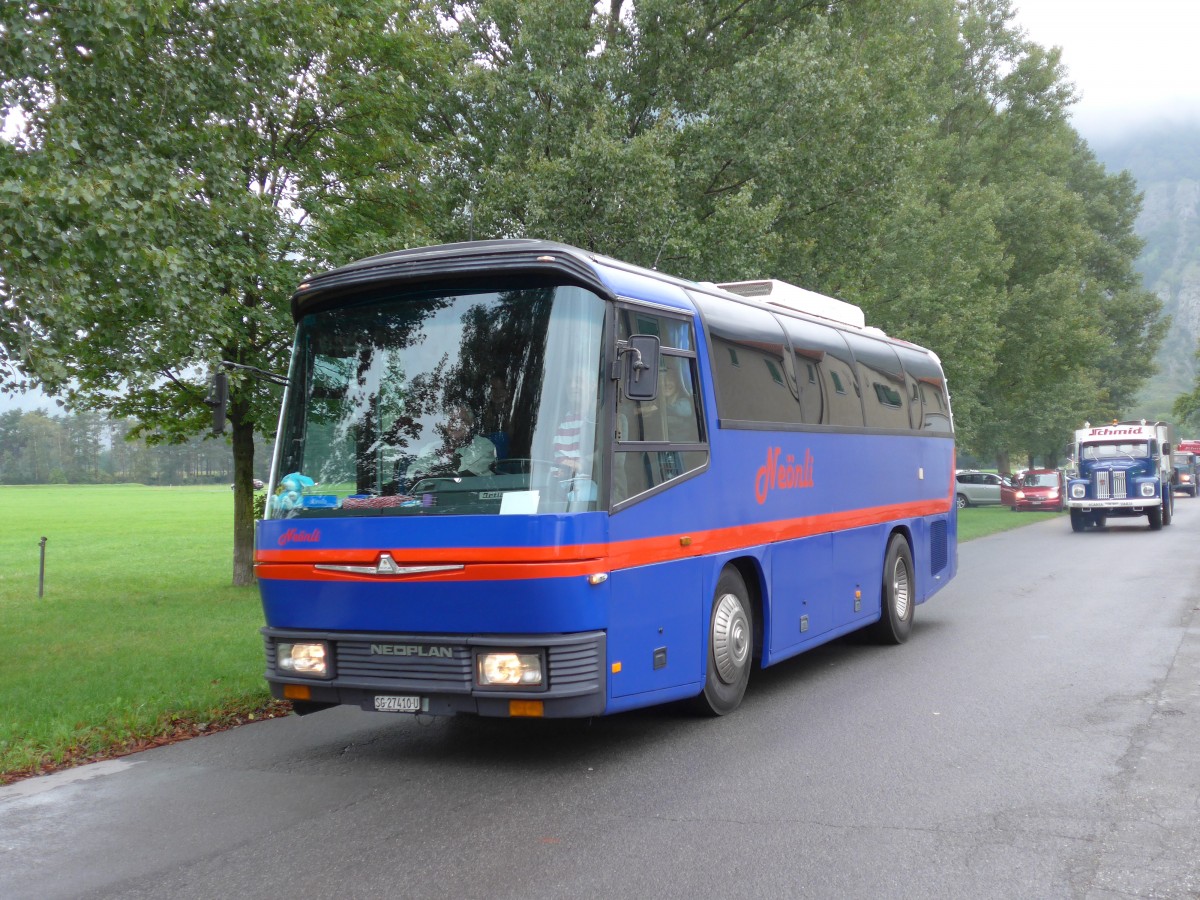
x=510, y=563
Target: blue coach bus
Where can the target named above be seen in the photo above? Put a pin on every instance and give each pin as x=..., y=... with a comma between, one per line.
x=515, y=478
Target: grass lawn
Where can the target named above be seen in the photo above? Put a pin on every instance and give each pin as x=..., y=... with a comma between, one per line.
x=139, y=629
x=980, y=521
x=139, y=637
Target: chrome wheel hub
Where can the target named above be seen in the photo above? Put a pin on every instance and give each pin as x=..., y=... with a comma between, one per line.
x=730, y=638
x=900, y=597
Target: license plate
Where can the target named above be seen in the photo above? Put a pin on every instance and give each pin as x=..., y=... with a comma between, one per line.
x=399, y=704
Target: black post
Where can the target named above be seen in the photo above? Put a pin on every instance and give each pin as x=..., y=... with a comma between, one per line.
x=42, y=568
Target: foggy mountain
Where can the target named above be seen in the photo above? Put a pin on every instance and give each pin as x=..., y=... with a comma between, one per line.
x=1165, y=161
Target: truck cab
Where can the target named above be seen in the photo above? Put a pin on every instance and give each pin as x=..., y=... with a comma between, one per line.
x=1124, y=470
x=1183, y=478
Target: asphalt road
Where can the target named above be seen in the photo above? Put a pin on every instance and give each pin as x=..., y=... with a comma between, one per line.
x=1038, y=736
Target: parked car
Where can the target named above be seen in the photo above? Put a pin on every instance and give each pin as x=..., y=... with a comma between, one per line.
x=1038, y=489
x=980, y=488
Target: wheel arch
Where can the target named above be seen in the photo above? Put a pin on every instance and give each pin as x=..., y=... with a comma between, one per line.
x=753, y=576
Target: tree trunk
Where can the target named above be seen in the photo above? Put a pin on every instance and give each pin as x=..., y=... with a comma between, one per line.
x=1002, y=464
x=243, y=497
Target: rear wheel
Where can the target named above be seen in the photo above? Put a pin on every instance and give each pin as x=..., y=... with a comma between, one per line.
x=963, y=503
x=730, y=646
x=898, y=593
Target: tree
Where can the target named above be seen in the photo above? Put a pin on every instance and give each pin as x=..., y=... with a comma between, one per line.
x=912, y=158
x=181, y=165
x=1041, y=247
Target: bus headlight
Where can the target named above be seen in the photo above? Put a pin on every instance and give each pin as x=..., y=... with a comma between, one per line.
x=310, y=659
x=504, y=668
x=1147, y=488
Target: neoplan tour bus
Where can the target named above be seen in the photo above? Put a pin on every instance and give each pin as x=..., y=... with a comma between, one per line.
x=515, y=478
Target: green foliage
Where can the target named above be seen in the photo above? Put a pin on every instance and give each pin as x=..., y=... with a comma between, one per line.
x=182, y=165
x=185, y=163
x=86, y=448
x=978, y=522
x=135, y=629
x=913, y=158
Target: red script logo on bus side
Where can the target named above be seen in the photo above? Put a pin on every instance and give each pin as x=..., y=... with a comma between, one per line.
x=296, y=535
x=786, y=475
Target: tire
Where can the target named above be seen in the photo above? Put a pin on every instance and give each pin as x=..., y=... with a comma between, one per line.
x=897, y=593
x=730, y=647
x=1078, y=520
x=1156, y=518
x=1168, y=507
x=963, y=502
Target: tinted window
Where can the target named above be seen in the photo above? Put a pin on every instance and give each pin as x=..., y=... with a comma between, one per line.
x=674, y=417
x=670, y=331
x=826, y=382
x=925, y=378
x=885, y=393
x=752, y=366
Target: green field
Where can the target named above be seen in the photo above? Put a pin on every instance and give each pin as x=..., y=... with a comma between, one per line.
x=139, y=635
x=138, y=629
x=977, y=522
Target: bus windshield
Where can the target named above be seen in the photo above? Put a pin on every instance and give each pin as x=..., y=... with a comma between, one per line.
x=444, y=403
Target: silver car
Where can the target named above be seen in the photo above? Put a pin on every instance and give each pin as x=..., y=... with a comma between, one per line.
x=979, y=488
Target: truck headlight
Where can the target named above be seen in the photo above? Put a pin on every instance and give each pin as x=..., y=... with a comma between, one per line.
x=1078, y=491
x=504, y=668
x=1147, y=488
x=310, y=659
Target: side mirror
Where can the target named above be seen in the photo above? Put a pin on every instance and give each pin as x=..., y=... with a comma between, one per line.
x=640, y=368
x=218, y=399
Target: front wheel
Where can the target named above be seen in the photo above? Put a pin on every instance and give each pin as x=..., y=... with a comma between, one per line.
x=898, y=593
x=730, y=647
x=1168, y=507
x=1078, y=520
x=963, y=502
x=1156, y=518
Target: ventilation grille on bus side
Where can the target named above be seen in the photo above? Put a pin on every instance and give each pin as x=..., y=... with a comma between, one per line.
x=939, y=549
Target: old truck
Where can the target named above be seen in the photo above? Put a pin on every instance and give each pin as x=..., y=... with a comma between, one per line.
x=1123, y=469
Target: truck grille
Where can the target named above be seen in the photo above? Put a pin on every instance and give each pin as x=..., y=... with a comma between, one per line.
x=1110, y=485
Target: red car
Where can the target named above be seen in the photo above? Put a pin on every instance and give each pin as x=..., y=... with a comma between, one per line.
x=1036, y=489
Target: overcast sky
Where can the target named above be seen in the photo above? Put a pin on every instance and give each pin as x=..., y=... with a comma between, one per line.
x=1132, y=61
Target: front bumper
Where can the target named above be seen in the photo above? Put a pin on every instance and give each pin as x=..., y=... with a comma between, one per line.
x=1054, y=505
x=1132, y=504
x=443, y=677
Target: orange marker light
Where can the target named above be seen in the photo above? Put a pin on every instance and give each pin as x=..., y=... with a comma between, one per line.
x=527, y=708
x=616, y=667
x=297, y=692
